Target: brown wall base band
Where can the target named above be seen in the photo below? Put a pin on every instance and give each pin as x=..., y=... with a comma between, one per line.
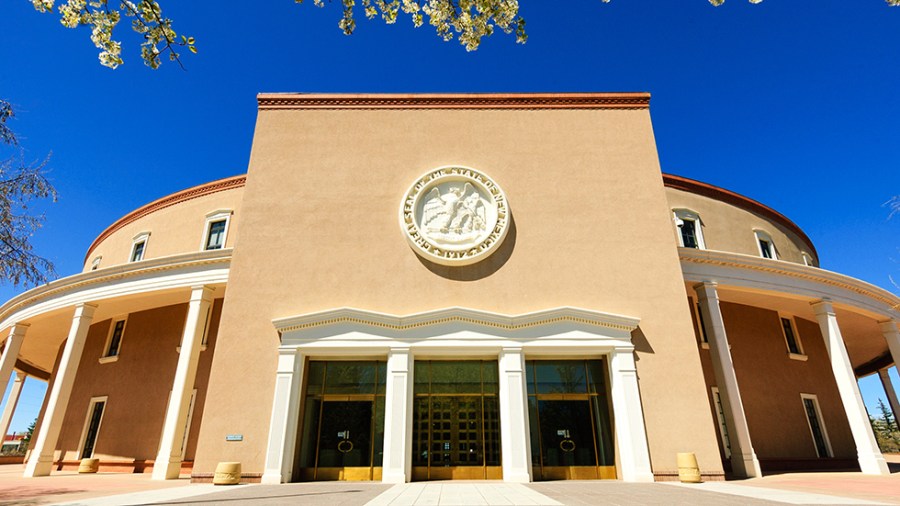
x=208, y=477
x=12, y=460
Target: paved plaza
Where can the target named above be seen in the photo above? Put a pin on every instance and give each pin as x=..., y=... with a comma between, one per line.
x=116, y=489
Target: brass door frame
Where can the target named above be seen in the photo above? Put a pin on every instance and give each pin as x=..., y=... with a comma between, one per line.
x=340, y=473
x=482, y=472
x=572, y=472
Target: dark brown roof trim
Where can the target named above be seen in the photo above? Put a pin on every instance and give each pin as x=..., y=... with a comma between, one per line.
x=874, y=365
x=738, y=200
x=453, y=100
x=169, y=200
x=32, y=370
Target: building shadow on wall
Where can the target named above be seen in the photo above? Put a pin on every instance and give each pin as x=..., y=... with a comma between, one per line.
x=481, y=269
x=641, y=344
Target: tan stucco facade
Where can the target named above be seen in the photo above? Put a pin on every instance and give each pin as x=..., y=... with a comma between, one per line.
x=564, y=173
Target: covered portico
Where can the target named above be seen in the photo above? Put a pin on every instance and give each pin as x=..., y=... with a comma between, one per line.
x=855, y=321
x=45, y=330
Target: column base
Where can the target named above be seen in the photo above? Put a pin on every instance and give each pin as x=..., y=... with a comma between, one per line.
x=516, y=476
x=272, y=479
x=40, y=467
x=873, y=464
x=746, y=466
x=166, y=471
x=393, y=477
x=639, y=477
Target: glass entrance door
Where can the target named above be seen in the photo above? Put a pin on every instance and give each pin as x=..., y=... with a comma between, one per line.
x=456, y=421
x=345, y=440
x=342, y=434
x=571, y=430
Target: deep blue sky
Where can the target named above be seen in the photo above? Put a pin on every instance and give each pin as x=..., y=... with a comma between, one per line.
x=792, y=103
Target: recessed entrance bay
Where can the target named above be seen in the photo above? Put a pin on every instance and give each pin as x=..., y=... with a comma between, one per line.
x=571, y=430
x=456, y=420
x=342, y=432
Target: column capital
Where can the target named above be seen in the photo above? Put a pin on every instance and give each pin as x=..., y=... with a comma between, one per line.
x=822, y=306
x=202, y=292
x=888, y=326
x=18, y=329
x=706, y=284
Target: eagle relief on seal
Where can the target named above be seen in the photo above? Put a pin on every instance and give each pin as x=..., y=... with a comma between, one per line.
x=454, y=216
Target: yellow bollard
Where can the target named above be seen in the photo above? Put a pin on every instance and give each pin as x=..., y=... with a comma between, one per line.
x=227, y=473
x=688, y=470
x=88, y=466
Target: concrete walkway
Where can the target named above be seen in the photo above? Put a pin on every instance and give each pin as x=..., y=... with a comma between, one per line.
x=107, y=489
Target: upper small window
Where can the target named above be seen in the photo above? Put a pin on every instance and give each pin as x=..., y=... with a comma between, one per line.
x=216, y=230
x=791, y=337
x=139, y=246
x=766, y=246
x=807, y=260
x=113, y=340
x=690, y=233
x=96, y=263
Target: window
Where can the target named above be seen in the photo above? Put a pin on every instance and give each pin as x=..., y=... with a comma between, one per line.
x=92, y=427
x=816, y=427
x=791, y=337
x=807, y=260
x=96, y=263
x=216, y=230
x=139, y=246
x=766, y=246
x=690, y=233
x=698, y=315
x=113, y=341
x=720, y=416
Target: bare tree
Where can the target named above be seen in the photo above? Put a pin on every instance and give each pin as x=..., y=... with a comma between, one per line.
x=20, y=184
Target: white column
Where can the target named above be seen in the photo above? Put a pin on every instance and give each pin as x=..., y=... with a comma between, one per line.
x=41, y=461
x=628, y=415
x=515, y=440
x=889, y=390
x=892, y=336
x=870, y=459
x=285, y=416
x=743, y=458
x=398, y=406
x=11, y=353
x=13, y=399
x=167, y=465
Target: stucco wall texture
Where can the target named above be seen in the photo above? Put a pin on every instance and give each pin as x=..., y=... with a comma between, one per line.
x=320, y=230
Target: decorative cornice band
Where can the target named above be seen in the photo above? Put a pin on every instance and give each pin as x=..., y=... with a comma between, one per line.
x=781, y=268
x=455, y=315
x=111, y=274
x=738, y=200
x=167, y=201
x=454, y=101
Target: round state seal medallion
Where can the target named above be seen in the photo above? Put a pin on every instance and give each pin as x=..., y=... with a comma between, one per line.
x=454, y=216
